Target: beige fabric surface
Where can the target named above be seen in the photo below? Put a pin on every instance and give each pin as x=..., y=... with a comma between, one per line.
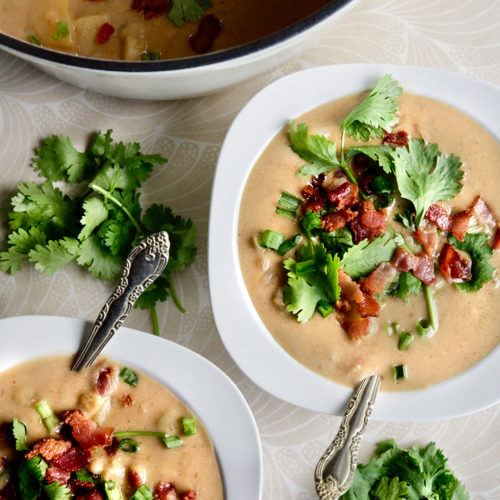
x=460, y=36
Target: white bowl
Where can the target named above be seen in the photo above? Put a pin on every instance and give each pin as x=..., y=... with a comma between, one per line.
x=201, y=385
x=175, y=78
x=244, y=334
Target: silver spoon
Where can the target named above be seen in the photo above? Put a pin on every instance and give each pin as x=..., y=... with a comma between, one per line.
x=144, y=264
x=336, y=468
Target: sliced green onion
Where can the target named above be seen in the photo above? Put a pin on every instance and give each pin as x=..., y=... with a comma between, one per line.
x=129, y=445
x=424, y=328
x=271, y=239
x=47, y=415
x=129, y=376
x=324, y=308
x=189, y=426
x=405, y=339
x=391, y=327
x=172, y=441
x=288, y=205
x=32, y=38
x=150, y=56
x=305, y=267
x=142, y=493
x=113, y=492
x=399, y=372
x=288, y=244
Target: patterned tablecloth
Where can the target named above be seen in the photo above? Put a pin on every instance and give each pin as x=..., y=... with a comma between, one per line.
x=460, y=36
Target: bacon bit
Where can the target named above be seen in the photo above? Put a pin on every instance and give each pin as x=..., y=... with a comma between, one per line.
x=73, y=460
x=425, y=270
x=403, y=260
x=127, y=400
x=112, y=449
x=151, y=8
x=399, y=138
x=56, y=474
x=439, y=217
x=349, y=288
x=496, y=240
x=482, y=212
x=429, y=241
x=190, y=495
x=86, y=431
x=93, y=495
x=49, y=448
x=343, y=196
x=453, y=266
x=107, y=381
x=315, y=198
x=134, y=479
x=201, y=42
x=313, y=206
x=343, y=306
x=357, y=329
x=368, y=306
x=318, y=180
x=374, y=220
x=165, y=491
x=9, y=492
x=369, y=223
x=378, y=279
x=460, y=223
x=78, y=486
x=336, y=220
x=106, y=31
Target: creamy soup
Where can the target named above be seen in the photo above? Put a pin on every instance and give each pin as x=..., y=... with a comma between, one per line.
x=112, y=29
x=468, y=328
x=99, y=396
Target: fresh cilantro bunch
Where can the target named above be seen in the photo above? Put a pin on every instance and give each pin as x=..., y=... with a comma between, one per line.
x=398, y=474
x=100, y=221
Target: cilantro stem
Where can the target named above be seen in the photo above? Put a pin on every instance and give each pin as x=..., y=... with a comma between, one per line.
x=431, y=306
x=154, y=317
x=346, y=168
x=110, y=197
x=174, y=295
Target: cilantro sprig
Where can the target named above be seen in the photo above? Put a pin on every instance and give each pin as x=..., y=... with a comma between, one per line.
x=187, y=11
x=102, y=219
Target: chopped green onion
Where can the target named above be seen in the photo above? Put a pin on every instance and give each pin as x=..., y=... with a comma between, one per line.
x=47, y=415
x=305, y=267
x=189, y=426
x=32, y=38
x=405, y=339
x=129, y=376
x=142, y=493
x=129, y=445
x=324, y=308
x=271, y=239
x=172, y=441
x=288, y=205
x=150, y=56
x=288, y=244
x=113, y=492
x=391, y=327
x=399, y=372
x=424, y=328
x=62, y=30
x=310, y=222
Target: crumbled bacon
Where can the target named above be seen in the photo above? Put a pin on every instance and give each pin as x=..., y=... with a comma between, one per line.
x=343, y=196
x=343, y=306
x=369, y=223
x=86, y=432
x=452, y=265
x=151, y=8
x=374, y=220
x=336, y=220
x=428, y=240
x=496, y=240
x=112, y=449
x=93, y=495
x=460, y=223
x=165, y=491
x=73, y=460
x=318, y=180
x=134, y=479
x=379, y=278
x=398, y=138
x=482, y=212
x=49, y=448
x=358, y=328
x=56, y=474
x=403, y=260
x=190, y=495
x=78, y=486
x=368, y=306
x=107, y=381
x=439, y=217
x=315, y=198
x=201, y=42
x=106, y=31
x=350, y=290
x=421, y=265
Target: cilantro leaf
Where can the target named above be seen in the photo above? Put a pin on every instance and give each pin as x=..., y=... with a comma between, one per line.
x=407, y=284
x=187, y=11
x=365, y=478
x=57, y=491
x=390, y=489
x=20, y=244
x=320, y=152
x=424, y=175
x=100, y=263
x=156, y=292
x=376, y=113
x=58, y=160
x=19, y=433
x=476, y=245
x=142, y=493
x=338, y=241
x=53, y=256
x=363, y=258
x=380, y=154
x=94, y=214
x=30, y=475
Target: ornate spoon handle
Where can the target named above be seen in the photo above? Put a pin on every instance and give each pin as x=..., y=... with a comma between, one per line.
x=145, y=263
x=336, y=468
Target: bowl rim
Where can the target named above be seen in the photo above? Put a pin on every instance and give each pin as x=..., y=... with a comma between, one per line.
x=242, y=331
x=183, y=63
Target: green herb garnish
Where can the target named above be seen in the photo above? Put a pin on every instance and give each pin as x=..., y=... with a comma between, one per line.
x=62, y=30
x=311, y=223
x=32, y=38
x=288, y=205
x=48, y=417
x=407, y=284
x=112, y=490
x=399, y=372
x=30, y=475
x=189, y=426
x=288, y=244
x=172, y=442
x=187, y=11
x=150, y=56
x=128, y=445
x=129, y=376
x=424, y=328
x=57, y=491
x=19, y=433
x=405, y=339
x=142, y=493
x=271, y=239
